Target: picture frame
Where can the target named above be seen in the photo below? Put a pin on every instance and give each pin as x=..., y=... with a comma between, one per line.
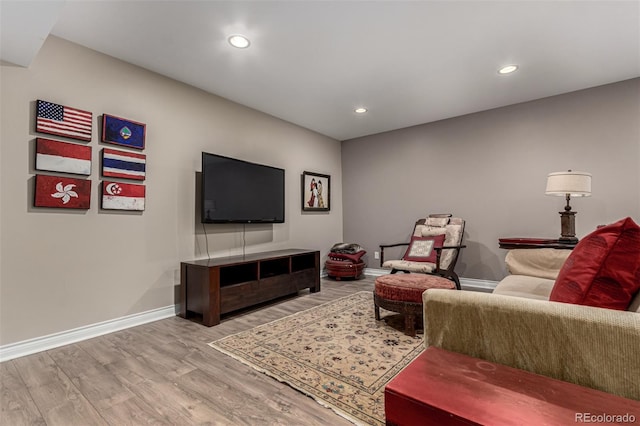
x=57, y=156
x=61, y=120
x=123, y=164
x=122, y=196
x=316, y=191
x=62, y=192
x=123, y=132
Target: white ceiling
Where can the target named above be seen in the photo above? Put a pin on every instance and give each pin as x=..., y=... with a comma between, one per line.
x=313, y=62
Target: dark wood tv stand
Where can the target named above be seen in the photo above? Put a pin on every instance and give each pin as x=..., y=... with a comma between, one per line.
x=211, y=287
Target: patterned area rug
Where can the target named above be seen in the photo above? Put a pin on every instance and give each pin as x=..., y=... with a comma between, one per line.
x=337, y=353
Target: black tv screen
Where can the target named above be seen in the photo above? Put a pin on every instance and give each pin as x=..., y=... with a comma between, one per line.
x=236, y=191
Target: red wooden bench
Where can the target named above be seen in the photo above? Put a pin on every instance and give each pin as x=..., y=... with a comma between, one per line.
x=446, y=388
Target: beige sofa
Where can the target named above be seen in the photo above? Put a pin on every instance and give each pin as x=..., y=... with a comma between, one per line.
x=518, y=326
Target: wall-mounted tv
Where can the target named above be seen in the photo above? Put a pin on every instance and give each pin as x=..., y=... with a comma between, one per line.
x=237, y=191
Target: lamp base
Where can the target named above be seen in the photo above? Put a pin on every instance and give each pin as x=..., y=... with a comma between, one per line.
x=568, y=240
x=568, y=227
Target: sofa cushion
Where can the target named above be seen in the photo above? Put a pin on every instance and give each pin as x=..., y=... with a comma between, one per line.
x=525, y=286
x=543, y=263
x=421, y=248
x=603, y=269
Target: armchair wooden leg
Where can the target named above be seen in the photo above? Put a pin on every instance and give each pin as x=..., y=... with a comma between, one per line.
x=456, y=280
x=450, y=275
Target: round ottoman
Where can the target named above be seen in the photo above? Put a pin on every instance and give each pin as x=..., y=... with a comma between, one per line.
x=338, y=269
x=402, y=293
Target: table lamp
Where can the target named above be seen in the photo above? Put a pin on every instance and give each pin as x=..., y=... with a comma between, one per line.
x=568, y=184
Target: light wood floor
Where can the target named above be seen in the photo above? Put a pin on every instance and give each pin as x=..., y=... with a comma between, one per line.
x=162, y=373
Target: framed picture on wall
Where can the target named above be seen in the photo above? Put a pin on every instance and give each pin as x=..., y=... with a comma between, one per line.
x=120, y=131
x=58, y=156
x=60, y=120
x=123, y=164
x=122, y=196
x=62, y=192
x=316, y=192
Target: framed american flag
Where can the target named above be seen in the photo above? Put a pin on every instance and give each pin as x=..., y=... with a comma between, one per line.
x=60, y=120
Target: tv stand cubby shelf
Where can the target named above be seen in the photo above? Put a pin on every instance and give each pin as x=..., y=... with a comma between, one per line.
x=212, y=287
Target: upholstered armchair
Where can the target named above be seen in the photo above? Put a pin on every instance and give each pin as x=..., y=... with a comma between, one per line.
x=434, y=248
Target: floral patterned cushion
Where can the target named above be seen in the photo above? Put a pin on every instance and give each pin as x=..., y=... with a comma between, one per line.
x=453, y=237
x=408, y=287
x=405, y=265
x=437, y=221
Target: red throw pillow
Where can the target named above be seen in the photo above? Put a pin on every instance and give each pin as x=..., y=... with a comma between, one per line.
x=603, y=269
x=421, y=249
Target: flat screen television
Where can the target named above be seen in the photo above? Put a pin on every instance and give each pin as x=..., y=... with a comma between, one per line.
x=237, y=191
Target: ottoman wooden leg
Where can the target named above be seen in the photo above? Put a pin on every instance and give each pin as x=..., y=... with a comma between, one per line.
x=410, y=324
x=376, y=308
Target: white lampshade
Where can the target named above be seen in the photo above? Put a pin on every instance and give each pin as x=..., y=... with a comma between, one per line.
x=576, y=184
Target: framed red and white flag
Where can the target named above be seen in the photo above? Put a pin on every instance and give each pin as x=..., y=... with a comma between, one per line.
x=61, y=120
x=62, y=192
x=122, y=196
x=65, y=157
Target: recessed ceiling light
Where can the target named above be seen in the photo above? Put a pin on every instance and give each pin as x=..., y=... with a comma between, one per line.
x=360, y=110
x=239, y=41
x=507, y=69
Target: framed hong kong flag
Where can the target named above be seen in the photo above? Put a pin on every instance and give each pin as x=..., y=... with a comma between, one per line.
x=123, y=132
x=62, y=192
x=122, y=196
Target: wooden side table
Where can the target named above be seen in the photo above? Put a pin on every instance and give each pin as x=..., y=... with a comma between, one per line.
x=535, y=243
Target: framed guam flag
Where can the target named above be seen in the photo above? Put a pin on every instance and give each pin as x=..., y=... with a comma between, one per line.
x=62, y=192
x=122, y=196
x=120, y=131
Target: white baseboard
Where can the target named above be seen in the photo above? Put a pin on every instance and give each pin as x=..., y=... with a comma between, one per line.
x=474, y=284
x=39, y=344
x=375, y=272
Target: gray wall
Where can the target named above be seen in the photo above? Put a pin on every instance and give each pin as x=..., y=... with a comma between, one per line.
x=490, y=168
x=60, y=270
x=65, y=269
